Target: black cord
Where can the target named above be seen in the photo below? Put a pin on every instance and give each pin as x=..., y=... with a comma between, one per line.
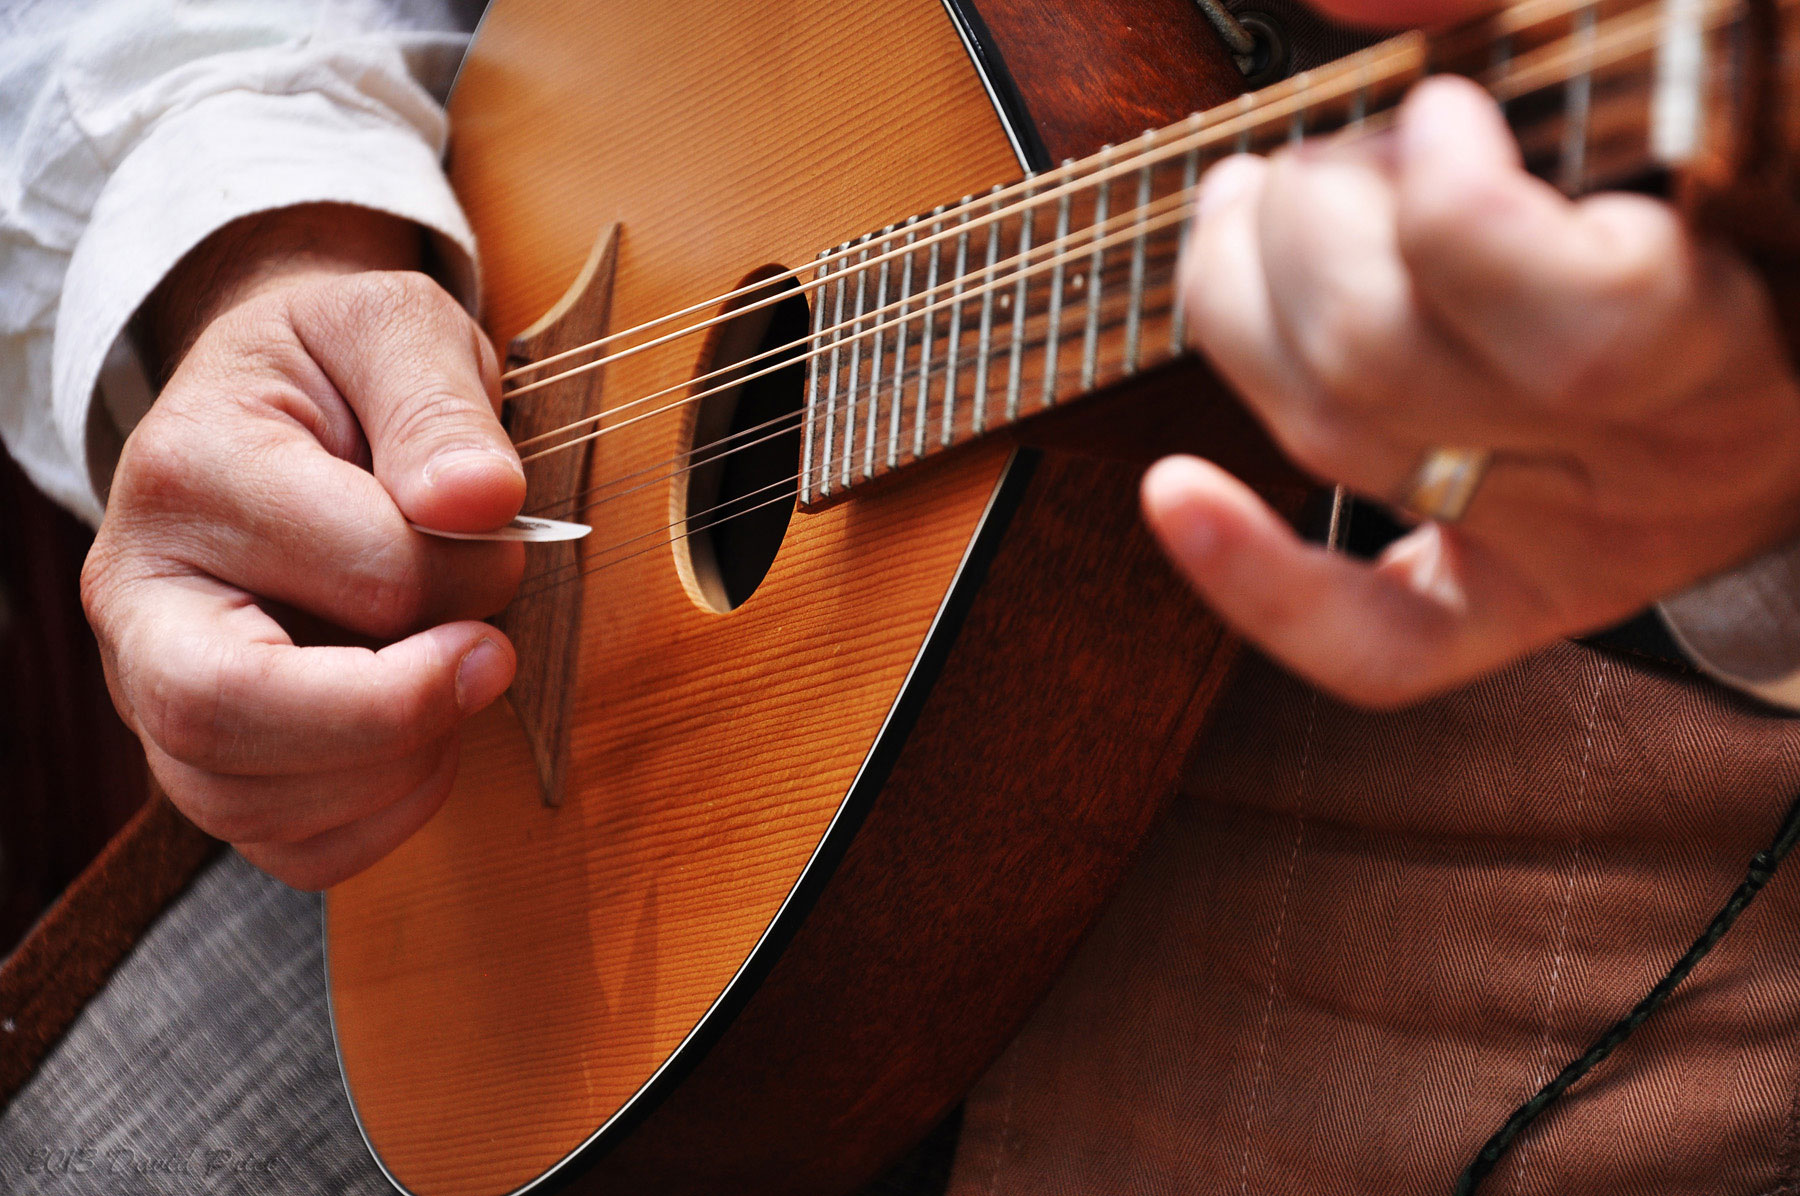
x=1762, y=867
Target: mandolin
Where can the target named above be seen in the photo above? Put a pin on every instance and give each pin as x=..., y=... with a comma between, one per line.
x=848, y=329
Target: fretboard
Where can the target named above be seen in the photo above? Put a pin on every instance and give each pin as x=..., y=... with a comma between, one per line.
x=958, y=322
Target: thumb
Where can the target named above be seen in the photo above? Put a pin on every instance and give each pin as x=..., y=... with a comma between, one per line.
x=1434, y=612
x=423, y=382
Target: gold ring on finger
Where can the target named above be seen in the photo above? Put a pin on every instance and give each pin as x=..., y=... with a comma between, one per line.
x=1445, y=483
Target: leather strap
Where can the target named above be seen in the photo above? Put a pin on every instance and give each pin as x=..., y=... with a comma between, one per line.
x=73, y=949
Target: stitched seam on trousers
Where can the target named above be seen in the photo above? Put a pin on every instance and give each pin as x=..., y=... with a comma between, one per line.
x=1562, y=928
x=1287, y=886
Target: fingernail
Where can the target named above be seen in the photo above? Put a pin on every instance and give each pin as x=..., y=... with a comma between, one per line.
x=1443, y=121
x=448, y=462
x=1226, y=182
x=482, y=676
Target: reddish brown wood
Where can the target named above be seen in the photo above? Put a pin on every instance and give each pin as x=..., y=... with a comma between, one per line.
x=1180, y=407
x=1101, y=73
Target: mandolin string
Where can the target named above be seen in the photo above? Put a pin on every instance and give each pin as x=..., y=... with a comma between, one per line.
x=1199, y=131
x=1176, y=199
x=574, y=500
x=550, y=578
x=1170, y=220
x=947, y=214
x=705, y=454
x=679, y=536
x=1203, y=136
x=1625, y=49
x=1623, y=54
x=712, y=510
x=851, y=398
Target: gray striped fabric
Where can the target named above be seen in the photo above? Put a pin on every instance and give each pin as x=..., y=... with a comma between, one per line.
x=205, y=1066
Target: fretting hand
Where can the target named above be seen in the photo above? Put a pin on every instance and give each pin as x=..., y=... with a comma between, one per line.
x=1374, y=297
x=256, y=539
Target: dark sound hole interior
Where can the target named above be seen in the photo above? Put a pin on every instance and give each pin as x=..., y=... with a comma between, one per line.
x=746, y=451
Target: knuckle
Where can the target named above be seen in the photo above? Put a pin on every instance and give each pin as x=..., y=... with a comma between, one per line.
x=180, y=704
x=157, y=467
x=1645, y=250
x=432, y=410
x=98, y=574
x=1347, y=343
x=410, y=718
x=230, y=816
x=390, y=599
x=401, y=296
x=1433, y=227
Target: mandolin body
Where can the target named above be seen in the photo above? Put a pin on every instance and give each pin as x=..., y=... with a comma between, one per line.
x=815, y=857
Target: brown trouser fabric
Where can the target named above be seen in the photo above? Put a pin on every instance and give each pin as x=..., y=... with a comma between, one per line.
x=1358, y=941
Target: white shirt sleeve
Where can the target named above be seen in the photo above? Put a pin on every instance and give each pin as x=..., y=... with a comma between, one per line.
x=1743, y=627
x=130, y=130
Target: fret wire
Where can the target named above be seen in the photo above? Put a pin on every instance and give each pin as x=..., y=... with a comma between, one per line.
x=850, y=388
x=906, y=274
x=1053, y=335
x=1190, y=177
x=875, y=362
x=927, y=335
x=984, y=339
x=1579, y=95
x=1297, y=127
x=831, y=386
x=1170, y=217
x=816, y=346
x=952, y=350
x=1135, y=297
x=1021, y=296
x=1090, y=341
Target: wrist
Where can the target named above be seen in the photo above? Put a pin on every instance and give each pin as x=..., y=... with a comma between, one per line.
x=261, y=253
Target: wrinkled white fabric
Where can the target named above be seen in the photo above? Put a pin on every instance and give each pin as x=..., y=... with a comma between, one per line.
x=132, y=129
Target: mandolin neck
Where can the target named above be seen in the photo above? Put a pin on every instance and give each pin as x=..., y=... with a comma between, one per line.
x=966, y=320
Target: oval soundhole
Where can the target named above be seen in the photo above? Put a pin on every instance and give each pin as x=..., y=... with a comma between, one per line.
x=744, y=452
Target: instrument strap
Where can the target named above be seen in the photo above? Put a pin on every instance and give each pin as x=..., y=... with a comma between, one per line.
x=1762, y=868
x=72, y=951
